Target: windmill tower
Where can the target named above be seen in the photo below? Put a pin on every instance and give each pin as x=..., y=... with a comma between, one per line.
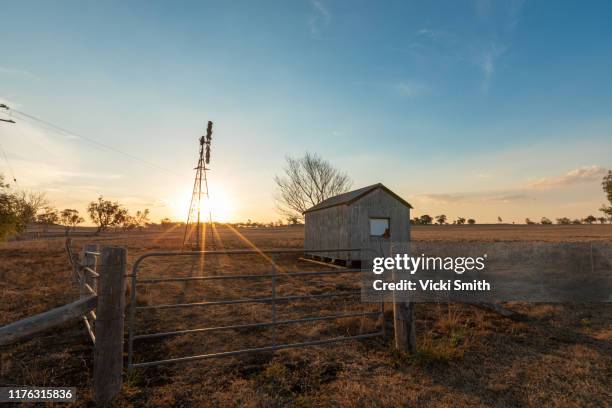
x=193, y=238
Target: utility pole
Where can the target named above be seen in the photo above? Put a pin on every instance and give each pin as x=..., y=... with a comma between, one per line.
x=3, y=106
x=195, y=207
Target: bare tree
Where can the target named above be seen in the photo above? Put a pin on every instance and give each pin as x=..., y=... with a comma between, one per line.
x=70, y=218
x=425, y=219
x=18, y=208
x=129, y=222
x=308, y=181
x=47, y=218
x=606, y=184
x=589, y=219
x=293, y=220
x=142, y=218
x=27, y=206
x=8, y=215
x=106, y=213
x=564, y=221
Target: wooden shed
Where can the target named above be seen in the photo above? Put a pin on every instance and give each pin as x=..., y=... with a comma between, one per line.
x=371, y=217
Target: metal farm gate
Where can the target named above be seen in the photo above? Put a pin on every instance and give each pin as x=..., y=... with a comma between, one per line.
x=274, y=276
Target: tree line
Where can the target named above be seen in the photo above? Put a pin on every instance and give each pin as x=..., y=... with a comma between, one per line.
x=440, y=220
x=18, y=209
x=443, y=220
x=566, y=221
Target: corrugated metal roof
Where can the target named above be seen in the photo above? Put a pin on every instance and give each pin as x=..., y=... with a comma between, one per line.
x=352, y=196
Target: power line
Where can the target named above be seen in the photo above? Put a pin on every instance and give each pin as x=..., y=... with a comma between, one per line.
x=92, y=141
x=8, y=164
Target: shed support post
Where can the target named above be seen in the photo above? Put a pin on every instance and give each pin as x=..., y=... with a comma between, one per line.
x=108, y=353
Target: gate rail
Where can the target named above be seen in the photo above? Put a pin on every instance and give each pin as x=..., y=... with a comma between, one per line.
x=273, y=300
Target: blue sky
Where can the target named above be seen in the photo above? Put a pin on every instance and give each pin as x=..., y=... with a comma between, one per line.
x=474, y=109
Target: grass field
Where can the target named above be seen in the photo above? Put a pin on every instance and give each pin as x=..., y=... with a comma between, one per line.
x=559, y=355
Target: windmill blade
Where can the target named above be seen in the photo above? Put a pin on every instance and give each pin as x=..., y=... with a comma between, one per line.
x=209, y=132
x=208, y=140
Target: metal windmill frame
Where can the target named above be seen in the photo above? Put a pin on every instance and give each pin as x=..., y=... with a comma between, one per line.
x=195, y=206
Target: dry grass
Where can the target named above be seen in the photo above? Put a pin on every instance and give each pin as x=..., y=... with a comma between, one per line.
x=508, y=232
x=559, y=356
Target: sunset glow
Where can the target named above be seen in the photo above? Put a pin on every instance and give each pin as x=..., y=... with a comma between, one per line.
x=220, y=204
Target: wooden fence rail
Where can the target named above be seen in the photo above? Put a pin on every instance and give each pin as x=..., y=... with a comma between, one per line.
x=27, y=327
x=101, y=279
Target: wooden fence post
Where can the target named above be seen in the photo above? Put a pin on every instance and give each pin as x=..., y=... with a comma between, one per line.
x=108, y=353
x=403, y=325
x=403, y=322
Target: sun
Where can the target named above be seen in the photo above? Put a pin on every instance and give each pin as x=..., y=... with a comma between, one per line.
x=220, y=205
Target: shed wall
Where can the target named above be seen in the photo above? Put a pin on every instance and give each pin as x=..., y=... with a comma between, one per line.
x=326, y=229
x=348, y=226
x=378, y=204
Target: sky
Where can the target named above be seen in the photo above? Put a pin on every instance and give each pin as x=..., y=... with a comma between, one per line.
x=476, y=109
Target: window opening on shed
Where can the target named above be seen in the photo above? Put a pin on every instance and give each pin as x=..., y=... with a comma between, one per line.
x=379, y=227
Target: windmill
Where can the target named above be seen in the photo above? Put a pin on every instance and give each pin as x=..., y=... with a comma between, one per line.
x=193, y=238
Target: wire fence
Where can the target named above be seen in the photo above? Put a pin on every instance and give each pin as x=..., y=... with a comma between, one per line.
x=86, y=276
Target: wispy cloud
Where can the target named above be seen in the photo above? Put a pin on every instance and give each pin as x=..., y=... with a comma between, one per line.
x=503, y=197
x=482, y=51
x=503, y=19
x=504, y=14
x=487, y=62
x=15, y=72
x=587, y=174
x=54, y=163
x=410, y=89
x=10, y=102
x=87, y=175
x=529, y=191
x=319, y=20
x=447, y=47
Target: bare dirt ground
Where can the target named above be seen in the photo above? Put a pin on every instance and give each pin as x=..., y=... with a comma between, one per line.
x=559, y=355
